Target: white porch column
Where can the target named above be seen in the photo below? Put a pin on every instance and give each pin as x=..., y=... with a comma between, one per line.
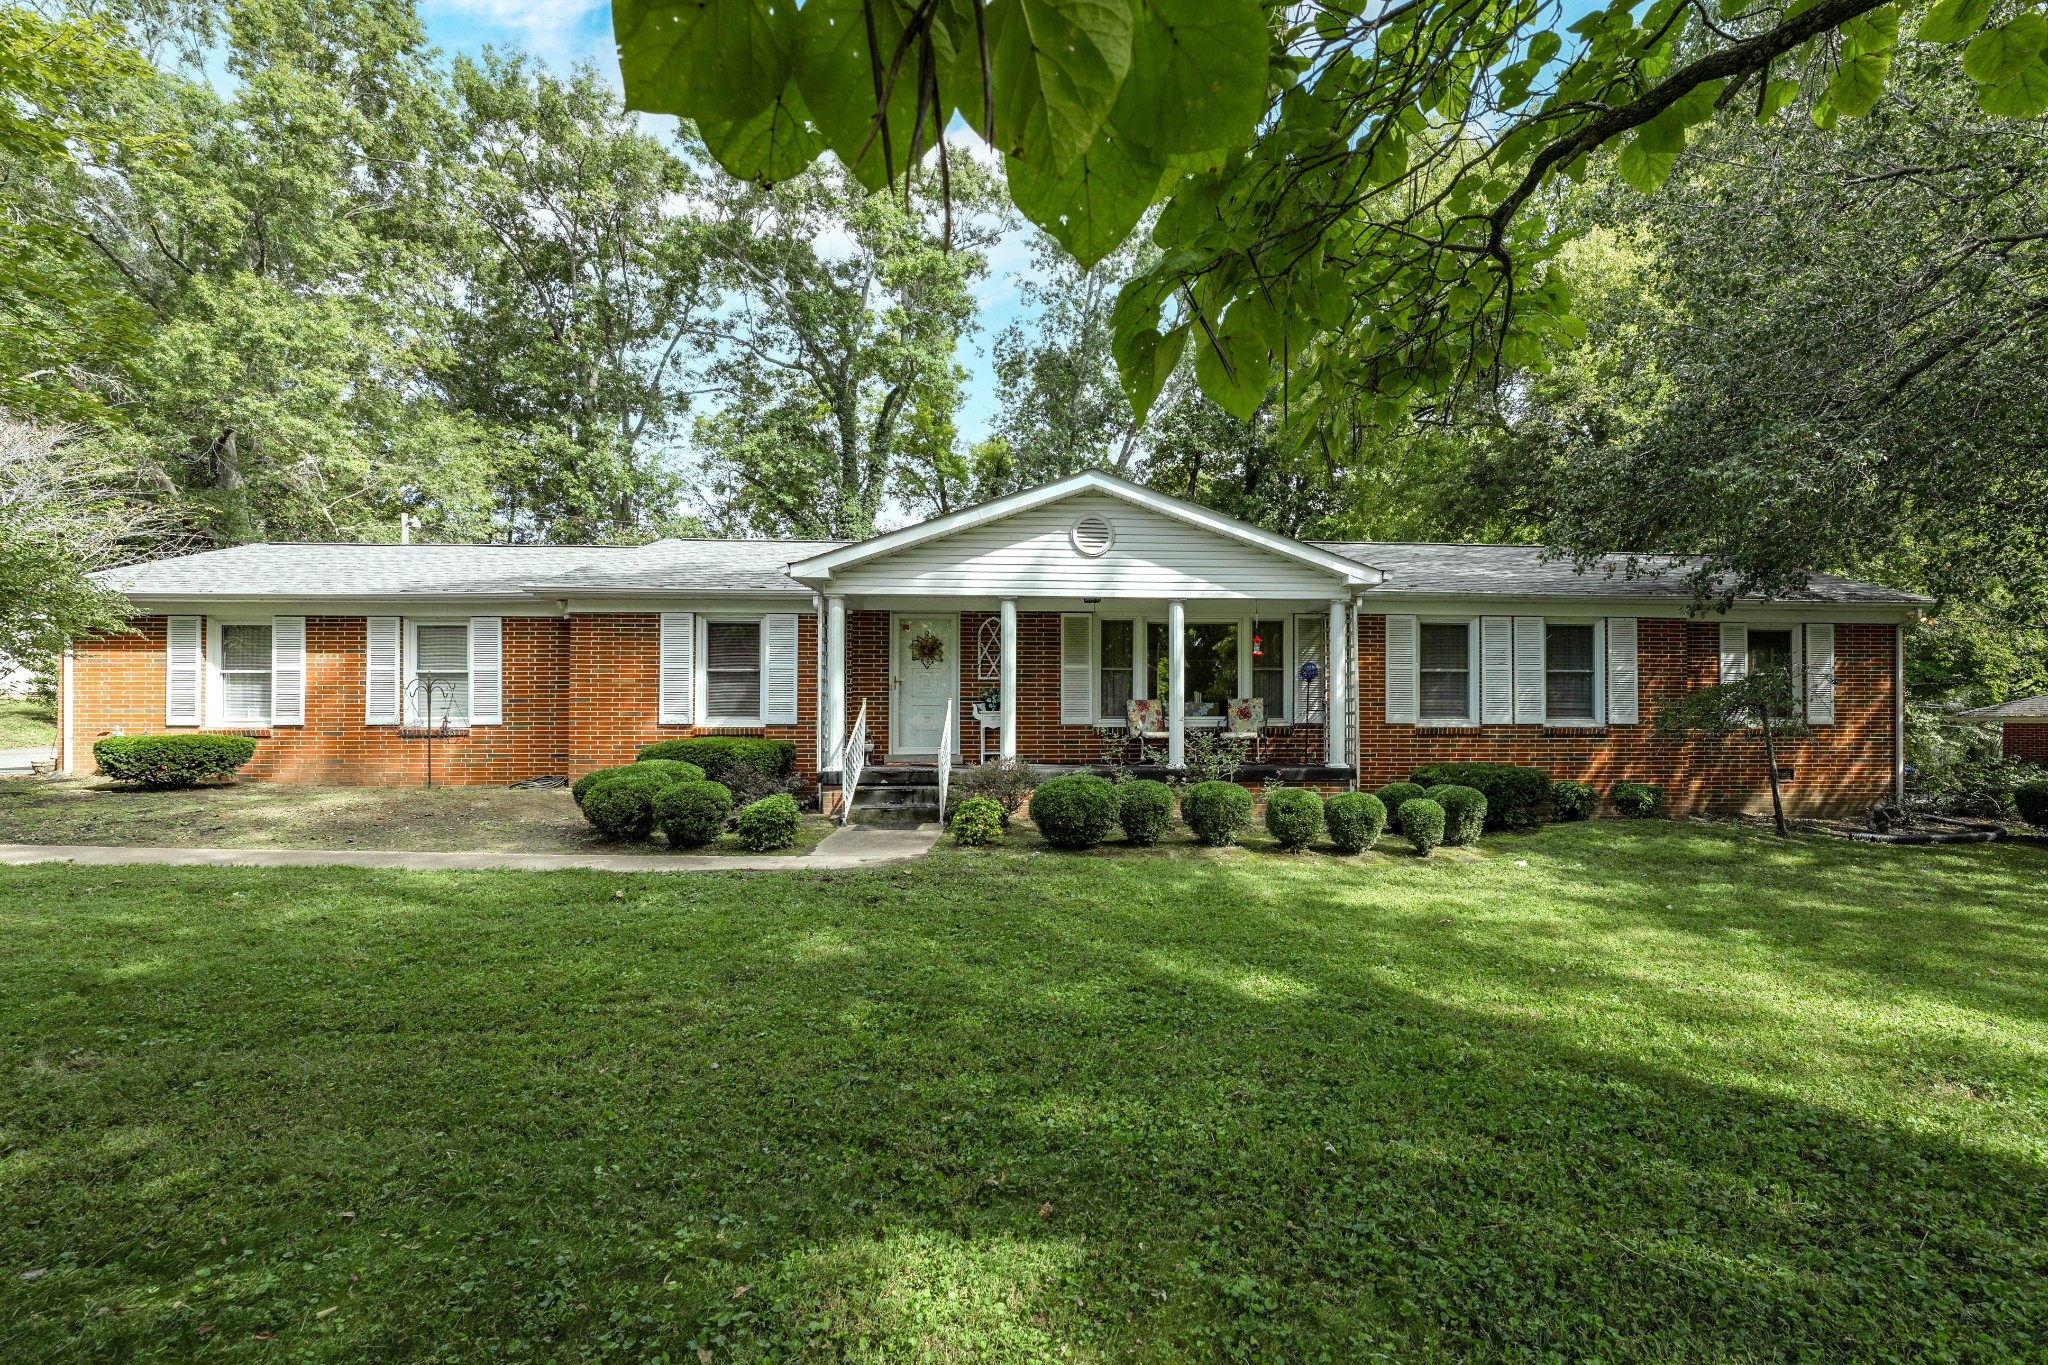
x=1334, y=714
x=834, y=699
x=1176, y=684
x=1008, y=680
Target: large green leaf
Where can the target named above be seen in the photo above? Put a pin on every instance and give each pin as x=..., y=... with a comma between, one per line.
x=1145, y=362
x=716, y=61
x=1777, y=95
x=1094, y=206
x=1197, y=77
x=1666, y=132
x=2024, y=96
x=1643, y=167
x=1951, y=21
x=1859, y=81
x=1058, y=67
x=1997, y=55
x=1235, y=369
x=836, y=79
x=1875, y=31
x=772, y=146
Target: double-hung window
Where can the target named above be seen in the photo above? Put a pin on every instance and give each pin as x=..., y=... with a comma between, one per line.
x=438, y=691
x=1119, y=672
x=1269, y=666
x=243, y=659
x=1221, y=658
x=732, y=672
x=1568, y=654
x=1770, y=651
x=1445, y=656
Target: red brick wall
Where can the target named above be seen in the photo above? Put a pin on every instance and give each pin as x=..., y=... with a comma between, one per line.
x=2028, y=741
x=1842, y=767
x=580, y=693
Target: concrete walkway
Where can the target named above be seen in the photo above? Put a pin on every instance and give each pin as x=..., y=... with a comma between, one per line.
x=854, y=847
x=15, y=761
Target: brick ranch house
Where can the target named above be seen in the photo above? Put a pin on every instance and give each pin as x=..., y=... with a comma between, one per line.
x=2023, y=726
x=1060, y=604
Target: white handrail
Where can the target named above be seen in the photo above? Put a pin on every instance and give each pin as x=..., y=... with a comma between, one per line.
x=850, y=760
x=946, y=757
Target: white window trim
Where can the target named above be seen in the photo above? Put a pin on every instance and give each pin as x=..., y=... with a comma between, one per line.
x=700, y=669
x=214, y=714
x=1599, y=717
x=408, y=669
x=1143, y=668
x=1471, y=716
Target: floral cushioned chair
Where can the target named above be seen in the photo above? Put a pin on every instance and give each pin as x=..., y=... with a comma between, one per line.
x=1144, y=720
x=1245, y=718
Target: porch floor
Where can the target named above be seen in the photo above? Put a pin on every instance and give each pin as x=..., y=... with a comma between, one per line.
x=927, y=774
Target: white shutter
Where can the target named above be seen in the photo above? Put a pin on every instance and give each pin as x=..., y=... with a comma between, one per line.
x=1529, y=689
x=1734, y=652
x=1820, y=675
x=1403, y=704
x=486, y=670
x=1309, y=696
x=184, y=668
x=778, y=669
x=380, y=671
x=678, y=668
x=287, y=670
x=1077, y=674
x=1496, y=669
x=1621, y=671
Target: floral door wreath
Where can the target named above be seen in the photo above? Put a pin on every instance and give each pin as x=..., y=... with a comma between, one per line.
x=927, y=648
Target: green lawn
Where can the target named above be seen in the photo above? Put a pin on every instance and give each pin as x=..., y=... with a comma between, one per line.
x=26, y=725
x=1664, y=1093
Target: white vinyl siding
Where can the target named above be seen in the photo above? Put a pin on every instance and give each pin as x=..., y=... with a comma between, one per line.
x=676, y=705
x=288, y=670
x=1621, y=671
x=380, y=671
x=1031, y=553
x=486, y=670
x=184, y=670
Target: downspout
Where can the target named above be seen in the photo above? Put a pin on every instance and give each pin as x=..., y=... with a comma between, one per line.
x=66, y=757
x=1899, y=715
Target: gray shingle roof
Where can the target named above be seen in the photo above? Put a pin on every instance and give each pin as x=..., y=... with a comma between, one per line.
x=1423, y=569
x=2022, y=708
x=758, y=566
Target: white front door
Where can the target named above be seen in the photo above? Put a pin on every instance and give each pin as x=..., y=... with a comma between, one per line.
x=925, y=677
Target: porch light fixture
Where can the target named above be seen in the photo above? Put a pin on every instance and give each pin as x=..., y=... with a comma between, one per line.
x=1093, y=535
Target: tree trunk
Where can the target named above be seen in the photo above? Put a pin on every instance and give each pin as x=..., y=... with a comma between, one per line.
x=1771, y=757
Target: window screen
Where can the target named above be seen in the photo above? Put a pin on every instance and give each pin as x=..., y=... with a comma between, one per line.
x=1119, y=667
x=245, y=674
x=1446, y=657
x=732, y=669
x=441, y=675
x=1269, y=666
x=1568, y=672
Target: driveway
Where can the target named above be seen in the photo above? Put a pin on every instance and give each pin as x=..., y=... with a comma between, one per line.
x=14, y=762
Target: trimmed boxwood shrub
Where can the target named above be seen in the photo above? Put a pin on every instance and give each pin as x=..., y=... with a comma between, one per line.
x=622, y=808
x=1216, y=811
x=1637, y=800
x=172, y=760
x=715, y=753
x=2032, y=799
x=1573, y=800
x=1294, y=816
x=1393, y=794
x=692, y=814
x=668, y=770
x=1075, y=811
x=770, y=823
x=1512, y=793
x=1355, y=820
x=978, y=820
x=1422, y=820
x=1144, y=808
x=1464, y=812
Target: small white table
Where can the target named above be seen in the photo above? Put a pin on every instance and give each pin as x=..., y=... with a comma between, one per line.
x=991, y=721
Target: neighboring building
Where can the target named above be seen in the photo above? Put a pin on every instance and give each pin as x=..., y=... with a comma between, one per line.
x=1071, y=600
x=2024, y=726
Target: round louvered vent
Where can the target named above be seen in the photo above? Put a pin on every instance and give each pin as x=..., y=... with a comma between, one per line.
x=1093, y=535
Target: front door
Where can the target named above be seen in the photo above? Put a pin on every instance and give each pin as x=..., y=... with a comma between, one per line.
x=926, y=673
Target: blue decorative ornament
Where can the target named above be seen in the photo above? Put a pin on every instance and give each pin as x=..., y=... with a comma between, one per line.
x=1309, y=671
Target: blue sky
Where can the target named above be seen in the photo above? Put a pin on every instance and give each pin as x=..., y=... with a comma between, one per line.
x=563, y=33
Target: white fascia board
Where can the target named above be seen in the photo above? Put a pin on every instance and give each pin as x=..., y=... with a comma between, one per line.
x=300, y=604
x=1614, y=604
x=820, y=568
x=704, y=603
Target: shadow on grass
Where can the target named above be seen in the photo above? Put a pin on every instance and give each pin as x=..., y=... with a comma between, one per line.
x=1006, y=1105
